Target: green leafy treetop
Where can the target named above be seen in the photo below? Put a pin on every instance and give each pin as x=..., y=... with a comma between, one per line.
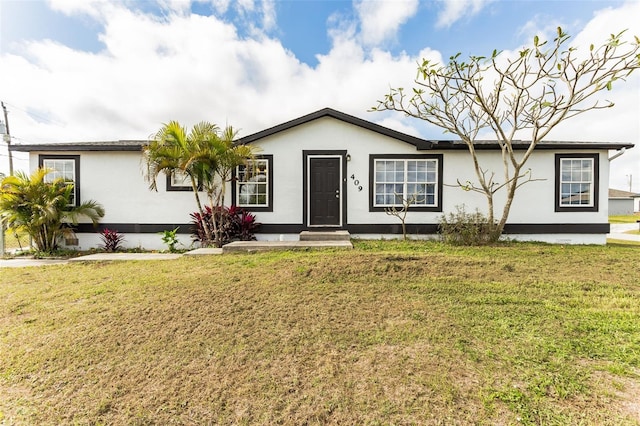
x=206, y=154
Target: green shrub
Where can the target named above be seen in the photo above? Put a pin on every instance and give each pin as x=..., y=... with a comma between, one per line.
x=31, y=205
x=467, y=229
x=170, y=239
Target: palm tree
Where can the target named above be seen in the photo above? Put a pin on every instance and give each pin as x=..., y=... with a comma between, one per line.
x=206, y=154
x=172, y=149
x=42, y=209
x=228, y=157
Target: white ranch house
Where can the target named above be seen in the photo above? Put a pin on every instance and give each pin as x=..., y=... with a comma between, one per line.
x=332, y=171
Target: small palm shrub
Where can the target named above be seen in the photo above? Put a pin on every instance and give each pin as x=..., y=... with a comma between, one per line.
x=170, y=239
x=235, y=224
x=111, y=240
x=43, y=210
x=467, y=229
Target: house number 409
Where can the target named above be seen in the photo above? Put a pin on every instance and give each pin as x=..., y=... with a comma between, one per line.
x=356, y=182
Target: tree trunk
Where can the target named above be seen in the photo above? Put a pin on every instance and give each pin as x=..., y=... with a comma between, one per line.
x=511, y=192
x=205, y=225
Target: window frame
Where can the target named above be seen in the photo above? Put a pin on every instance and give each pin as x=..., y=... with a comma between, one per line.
x=235, y=190
x=76, y=171
x=406, y=157
x=172, y=187
x=595, y=183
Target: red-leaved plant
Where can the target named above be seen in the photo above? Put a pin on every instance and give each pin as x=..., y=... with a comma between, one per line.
x=234, y=224
x=111, y=240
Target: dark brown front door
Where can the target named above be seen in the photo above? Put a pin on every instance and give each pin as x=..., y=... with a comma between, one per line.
x=324, y=191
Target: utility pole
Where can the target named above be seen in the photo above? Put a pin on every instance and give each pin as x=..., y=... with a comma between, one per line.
x=7, y=138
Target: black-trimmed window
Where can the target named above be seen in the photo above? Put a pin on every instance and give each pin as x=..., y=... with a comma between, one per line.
x=253, y=184
x=178, y=181
x=66, y=167
x=577, y=182
x=396, y=179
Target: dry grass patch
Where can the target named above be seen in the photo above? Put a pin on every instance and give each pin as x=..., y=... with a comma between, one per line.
x=388, y=333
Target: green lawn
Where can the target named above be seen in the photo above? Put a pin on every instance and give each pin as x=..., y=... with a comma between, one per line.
x=625, y=219
x=387, y=333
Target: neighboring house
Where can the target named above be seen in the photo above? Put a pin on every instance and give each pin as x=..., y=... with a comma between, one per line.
x=621, y=202
x=330, y=170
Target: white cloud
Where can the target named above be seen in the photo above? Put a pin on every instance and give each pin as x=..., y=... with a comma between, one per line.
x=454, y=10
x=71, y=7
x=543, y=26
x=269, y=15
x=191, y=68
x=622, y=122
x=380, y=20
x=263, y=13
x=220, y=6
x=399, y=125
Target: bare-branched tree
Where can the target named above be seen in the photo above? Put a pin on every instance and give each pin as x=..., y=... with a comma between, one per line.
x=401, y=212
x=544, y=85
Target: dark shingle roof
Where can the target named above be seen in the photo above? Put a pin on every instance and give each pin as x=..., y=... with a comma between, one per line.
x=124, y=145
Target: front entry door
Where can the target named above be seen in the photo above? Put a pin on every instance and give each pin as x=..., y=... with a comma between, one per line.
x=325, y=194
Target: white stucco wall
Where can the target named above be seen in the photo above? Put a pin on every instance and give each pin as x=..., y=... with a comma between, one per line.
x=534, y=202
x=115, y=179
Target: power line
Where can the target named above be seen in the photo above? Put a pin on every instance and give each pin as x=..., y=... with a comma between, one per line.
x=34, y=115
x=26, y=154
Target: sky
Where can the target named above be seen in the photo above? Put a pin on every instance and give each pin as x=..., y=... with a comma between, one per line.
x=84, y=70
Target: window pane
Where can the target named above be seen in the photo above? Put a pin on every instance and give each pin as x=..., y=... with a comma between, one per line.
x=576, y=182
x=61, y=168
x=430, y=199
x=180, y=179
x=252, y=184
x=398, y=180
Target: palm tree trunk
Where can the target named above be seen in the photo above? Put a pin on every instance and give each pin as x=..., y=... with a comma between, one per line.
x=205, y=225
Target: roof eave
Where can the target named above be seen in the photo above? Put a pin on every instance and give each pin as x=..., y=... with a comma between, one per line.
x=555, y=145
x=81, y=146
x=420, y=144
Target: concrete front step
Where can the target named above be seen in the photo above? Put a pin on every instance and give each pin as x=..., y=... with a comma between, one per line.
x=249, y=246
x=325, y=236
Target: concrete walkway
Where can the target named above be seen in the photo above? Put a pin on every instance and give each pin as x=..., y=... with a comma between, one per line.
x=238, y=246
x=125, y=256
x=21, y=262
x=617, y=232
x=252, y=246
x=18, y=262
